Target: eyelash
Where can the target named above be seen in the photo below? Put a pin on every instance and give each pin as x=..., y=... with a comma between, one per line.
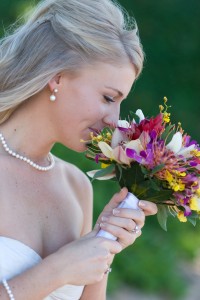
x=109, y=99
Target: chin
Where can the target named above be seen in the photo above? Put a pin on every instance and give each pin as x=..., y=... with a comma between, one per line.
x=78, y=148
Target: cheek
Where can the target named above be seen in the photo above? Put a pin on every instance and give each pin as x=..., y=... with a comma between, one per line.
x=92, y=111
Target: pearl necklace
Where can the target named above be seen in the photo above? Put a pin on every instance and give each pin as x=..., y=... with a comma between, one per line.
x=27, y=160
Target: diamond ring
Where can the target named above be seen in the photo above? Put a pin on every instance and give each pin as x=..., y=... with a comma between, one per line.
x=108, y=270
x=135, y=230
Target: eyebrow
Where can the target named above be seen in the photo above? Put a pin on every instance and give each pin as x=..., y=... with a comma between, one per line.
x=119, y=92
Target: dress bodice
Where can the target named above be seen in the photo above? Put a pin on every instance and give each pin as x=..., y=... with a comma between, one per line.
x=16, y=257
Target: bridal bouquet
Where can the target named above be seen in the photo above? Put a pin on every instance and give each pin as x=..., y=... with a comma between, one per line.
x=154, y=159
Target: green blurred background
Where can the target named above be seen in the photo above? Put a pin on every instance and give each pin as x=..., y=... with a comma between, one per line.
x=169, y=30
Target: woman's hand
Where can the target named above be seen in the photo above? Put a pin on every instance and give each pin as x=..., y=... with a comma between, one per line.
x=125, y=223
x=86, y=260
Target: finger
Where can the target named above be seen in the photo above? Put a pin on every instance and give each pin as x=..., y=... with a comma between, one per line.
x=116, y=200
x=96, y=229
x=125, y=223
x=148, y=207
x=94, y=232
x=124, y=237
x=138, y=216
x=113, y=247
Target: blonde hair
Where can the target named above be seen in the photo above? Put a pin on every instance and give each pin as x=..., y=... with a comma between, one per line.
x=63, y=35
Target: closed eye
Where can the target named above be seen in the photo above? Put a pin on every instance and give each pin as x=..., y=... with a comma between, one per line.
x=109, y=99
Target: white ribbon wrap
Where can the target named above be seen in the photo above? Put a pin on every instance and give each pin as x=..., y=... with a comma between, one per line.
x=131, y=201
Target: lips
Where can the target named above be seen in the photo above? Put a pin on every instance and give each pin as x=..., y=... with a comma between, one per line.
x=95, y=130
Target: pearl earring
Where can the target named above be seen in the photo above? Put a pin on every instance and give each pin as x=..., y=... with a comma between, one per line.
x=53, y=97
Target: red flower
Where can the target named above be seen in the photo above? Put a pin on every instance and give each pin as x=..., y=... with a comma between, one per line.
x=148, y=126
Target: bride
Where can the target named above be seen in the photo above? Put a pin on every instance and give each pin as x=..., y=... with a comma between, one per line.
x=63, y=73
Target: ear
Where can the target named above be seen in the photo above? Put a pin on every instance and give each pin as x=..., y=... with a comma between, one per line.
x=54, y=82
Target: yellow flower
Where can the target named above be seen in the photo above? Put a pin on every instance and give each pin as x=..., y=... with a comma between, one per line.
x=165, y=99
x=194, y=184
x=161, y=108
x=178, y=186
x=181, y=216
x=174, y=183
x=166, y=117
x=108, y=135
x=198, y=191
x=99, y=138
x=195, y=152
x=182, y=174
x=195, y=203
x=103, y=166
x=168, y=176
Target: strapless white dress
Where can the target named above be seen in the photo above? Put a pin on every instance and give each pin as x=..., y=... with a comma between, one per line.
x=16, y=257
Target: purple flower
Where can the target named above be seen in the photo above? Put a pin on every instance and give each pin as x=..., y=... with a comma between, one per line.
x=133, y=154
x=97, y=158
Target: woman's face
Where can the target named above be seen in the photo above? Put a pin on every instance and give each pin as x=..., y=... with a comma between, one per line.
x=90, y=100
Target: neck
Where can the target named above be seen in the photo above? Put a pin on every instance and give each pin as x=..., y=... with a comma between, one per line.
x=28, y=131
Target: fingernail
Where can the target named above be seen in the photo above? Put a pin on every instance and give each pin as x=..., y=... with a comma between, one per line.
x=115, y=211
x=104, y=219
x=102, y=225
x=142, y=203
x=97, y=225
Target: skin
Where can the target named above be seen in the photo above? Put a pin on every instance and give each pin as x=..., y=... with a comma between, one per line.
x=51, y=212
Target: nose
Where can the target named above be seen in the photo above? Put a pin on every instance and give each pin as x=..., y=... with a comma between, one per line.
x=112, y=116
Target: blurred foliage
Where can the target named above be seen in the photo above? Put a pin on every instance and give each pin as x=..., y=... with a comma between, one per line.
x=169, y=30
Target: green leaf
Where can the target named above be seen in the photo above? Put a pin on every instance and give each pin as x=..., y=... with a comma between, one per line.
x=169, y=128
x=146, y=188
x=104, y=172
x=193, y=221
x=162, y=216
x=172, y=211
x=145, y=191
x=144, y=170
x=106, y=130
x=135, y=117
x=167, y=135
x=120, y=172
x=157, y=169
x=129, y=176
x=154, y=185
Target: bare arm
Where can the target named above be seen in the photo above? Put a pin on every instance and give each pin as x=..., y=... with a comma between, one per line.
x=35, y=283
x=89, y=255
x=96, y=291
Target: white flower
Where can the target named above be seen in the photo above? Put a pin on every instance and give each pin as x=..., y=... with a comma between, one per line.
x=140, y=114
x=175, y=145
x=117, y=154
x=118, y=137
x=106, y=150
x=123, y=123
x=135, y=145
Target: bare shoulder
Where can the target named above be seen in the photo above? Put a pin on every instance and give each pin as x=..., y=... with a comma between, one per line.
x=81, y=187
x=77, y=178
